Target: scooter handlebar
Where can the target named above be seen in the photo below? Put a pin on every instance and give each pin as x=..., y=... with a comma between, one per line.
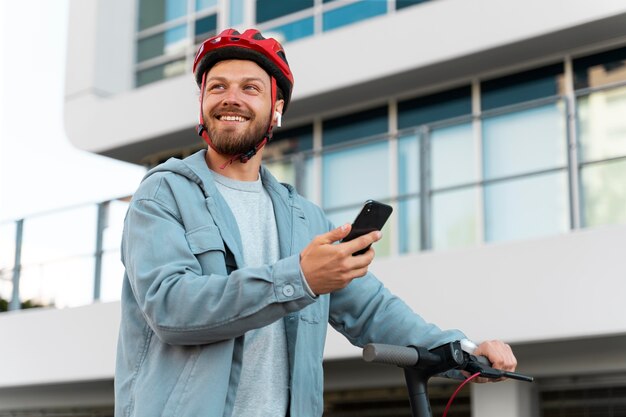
x=390, y=354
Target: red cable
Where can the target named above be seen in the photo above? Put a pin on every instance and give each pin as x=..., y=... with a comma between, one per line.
x=445, y=412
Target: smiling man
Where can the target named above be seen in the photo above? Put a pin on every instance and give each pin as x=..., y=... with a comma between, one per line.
x=232, y=277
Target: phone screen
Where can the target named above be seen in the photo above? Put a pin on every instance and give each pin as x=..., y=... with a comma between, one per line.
x=372, y=217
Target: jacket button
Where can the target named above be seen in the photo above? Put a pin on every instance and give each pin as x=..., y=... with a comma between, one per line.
x=288, y=290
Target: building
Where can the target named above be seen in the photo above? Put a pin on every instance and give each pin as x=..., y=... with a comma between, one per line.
x=495, y=129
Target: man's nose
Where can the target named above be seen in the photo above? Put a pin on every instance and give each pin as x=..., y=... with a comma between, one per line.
x=232, y=97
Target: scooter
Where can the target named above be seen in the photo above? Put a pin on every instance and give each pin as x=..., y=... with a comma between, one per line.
x=420, y=364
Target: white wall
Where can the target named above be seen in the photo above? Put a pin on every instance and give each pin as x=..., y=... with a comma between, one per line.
x=560, y=288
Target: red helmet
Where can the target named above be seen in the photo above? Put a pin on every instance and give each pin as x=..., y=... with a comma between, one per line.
x=250, y=45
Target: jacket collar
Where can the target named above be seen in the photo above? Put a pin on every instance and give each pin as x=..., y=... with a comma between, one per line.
x=195, y=168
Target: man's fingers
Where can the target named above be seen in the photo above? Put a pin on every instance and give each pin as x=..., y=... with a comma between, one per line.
x=362, y=242
x=335, y=234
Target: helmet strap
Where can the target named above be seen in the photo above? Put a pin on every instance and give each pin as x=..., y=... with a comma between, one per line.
x=246, y=156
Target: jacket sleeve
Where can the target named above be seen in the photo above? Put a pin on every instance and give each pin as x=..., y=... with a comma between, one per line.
x=366, y=312
x=182, y=305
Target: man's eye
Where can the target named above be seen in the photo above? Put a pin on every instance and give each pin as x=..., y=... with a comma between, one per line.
x=251, y=87
x=216, y=87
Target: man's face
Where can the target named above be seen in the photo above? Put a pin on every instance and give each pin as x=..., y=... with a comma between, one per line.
x=236, y=105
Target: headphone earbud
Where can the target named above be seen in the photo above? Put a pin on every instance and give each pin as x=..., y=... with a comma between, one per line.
x=279, y=118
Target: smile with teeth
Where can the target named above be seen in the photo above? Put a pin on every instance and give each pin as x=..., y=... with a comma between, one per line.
x=232, y=118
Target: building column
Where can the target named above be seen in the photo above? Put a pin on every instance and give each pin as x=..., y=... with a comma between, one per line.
x=507, y=398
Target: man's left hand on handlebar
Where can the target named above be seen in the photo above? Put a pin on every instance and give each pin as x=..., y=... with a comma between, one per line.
x=499, y=354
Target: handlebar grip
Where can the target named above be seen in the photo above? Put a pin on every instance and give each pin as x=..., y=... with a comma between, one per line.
x=390, y=354
x=482, y=360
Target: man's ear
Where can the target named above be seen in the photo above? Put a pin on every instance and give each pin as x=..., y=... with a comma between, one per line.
x=278, y=111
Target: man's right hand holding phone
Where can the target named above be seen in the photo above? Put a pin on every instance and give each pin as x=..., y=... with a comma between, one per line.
x=328, y=267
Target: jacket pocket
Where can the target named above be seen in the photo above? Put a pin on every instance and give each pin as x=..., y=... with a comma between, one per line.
x=204, y=239
x=207, y=245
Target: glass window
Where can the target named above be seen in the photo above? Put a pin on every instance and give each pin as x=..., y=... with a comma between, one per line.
x=295, y=30
x=529, y=207
x=159, y=72
x=409, y=183
x=272, y=9
x=434, y=107
x=454, y=218
x=351, y=176
x=169, y=42
x=408, y=165
x=401, y=4
x=286, y=142
x=58, y=258
x=410, y=227
x=7, y=245
x=453, y=156
x=62, y=283
x=205, y=28
x=155, y=12
x=604, y=193
x=352, y=13
x=355, y=126
x=287, y=161
x=525, y=86
x=600, y=69
x=112, y=267
x=235, y=16
x=7, y=260
x=205, y=4
x=524, y=141
x=602, y=125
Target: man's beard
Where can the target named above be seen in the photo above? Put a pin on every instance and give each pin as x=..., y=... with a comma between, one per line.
x=236, y=143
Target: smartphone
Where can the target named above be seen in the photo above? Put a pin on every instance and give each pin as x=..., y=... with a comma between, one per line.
x=372, y=217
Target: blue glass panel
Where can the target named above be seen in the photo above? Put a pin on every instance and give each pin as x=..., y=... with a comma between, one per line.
x=272, y=9
x=353, y=175
x=526, y=86
x=408, y=165
x=235, y=17
x=154, y=12
x=524, y=141
x=453, y=156
x=295, y=30
x=435, y=107
x=352, y=13
x=291, y=141
x=160, y=72
x=168, y=42
x=205, y=4
x=355, y=126
x=455, y=218
x=205, y=27
x=526, y=208
x=409, y=228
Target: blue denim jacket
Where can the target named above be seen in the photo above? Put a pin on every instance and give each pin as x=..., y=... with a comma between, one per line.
x=186, y=303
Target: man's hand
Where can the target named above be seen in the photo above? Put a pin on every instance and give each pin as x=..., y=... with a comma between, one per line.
x=499, y=354
x=328, y=267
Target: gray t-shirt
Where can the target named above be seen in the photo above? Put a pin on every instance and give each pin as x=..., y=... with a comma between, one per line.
x=264, y=383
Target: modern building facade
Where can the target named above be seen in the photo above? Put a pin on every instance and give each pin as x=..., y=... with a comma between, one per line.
x=496, y=130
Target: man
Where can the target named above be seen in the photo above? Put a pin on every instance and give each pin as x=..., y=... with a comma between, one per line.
x=231, y=277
